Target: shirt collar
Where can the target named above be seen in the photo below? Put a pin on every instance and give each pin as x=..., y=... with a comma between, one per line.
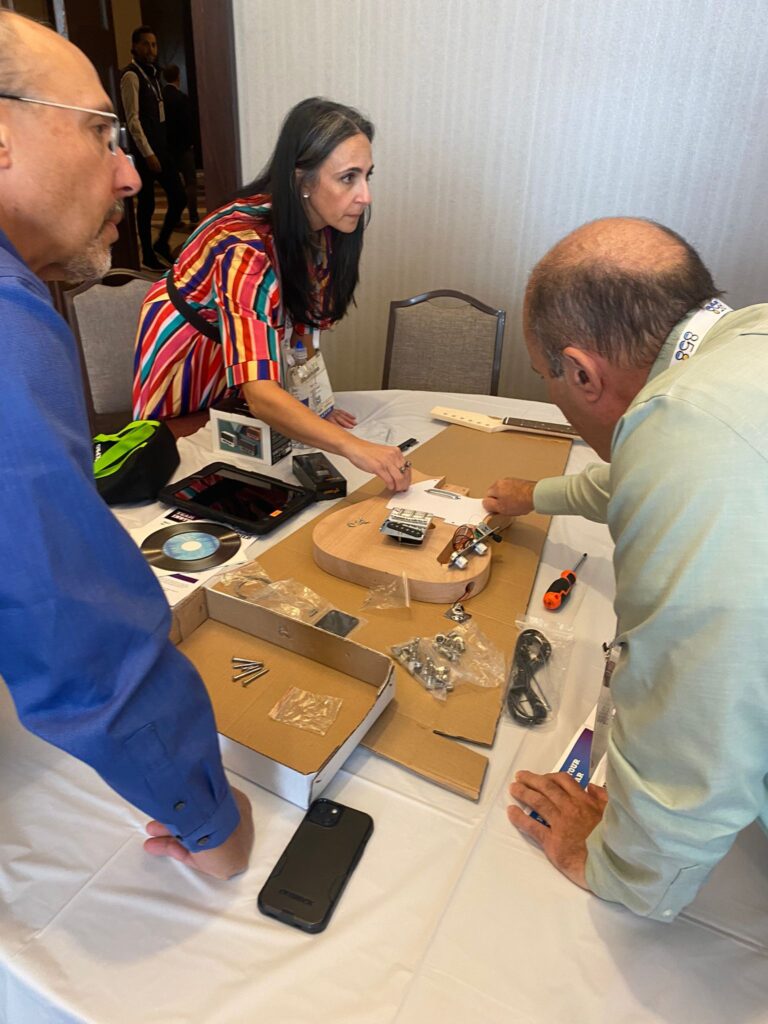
x=662, y=360
x=6, y=245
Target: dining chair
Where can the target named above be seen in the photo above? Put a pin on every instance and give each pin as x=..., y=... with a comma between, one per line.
x=104, y=316
x=444, y=341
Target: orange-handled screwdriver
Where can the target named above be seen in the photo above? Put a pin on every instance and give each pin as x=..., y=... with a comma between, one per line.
x=559, y=591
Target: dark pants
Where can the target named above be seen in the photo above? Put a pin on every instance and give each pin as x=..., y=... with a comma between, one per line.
x=169, y=181
x=185, y=161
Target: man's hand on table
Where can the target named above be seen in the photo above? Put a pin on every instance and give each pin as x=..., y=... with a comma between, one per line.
x=222, y=861
x=571, y=812
x=510, y=496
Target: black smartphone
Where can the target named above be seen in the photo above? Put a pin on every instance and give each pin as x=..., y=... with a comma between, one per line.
x=306, y=883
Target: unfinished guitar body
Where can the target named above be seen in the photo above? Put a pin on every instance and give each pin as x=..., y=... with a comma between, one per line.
x=347, y=543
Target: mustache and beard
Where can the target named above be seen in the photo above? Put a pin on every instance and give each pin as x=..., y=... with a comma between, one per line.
x=96, y=258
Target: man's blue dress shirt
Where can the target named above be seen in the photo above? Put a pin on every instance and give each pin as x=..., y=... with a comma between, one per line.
x=84, y=645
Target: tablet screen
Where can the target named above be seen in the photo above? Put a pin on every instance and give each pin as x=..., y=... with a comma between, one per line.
x=240, y=496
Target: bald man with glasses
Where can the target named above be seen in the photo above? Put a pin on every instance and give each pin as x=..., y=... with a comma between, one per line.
x=84, y=646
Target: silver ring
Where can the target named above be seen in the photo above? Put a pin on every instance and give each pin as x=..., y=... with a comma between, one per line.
x=405, y=466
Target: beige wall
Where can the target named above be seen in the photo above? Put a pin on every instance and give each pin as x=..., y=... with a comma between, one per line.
x=127, y=16
x=502, y=124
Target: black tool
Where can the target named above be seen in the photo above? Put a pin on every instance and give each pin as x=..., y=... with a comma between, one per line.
x=320, y=476
x=404, y=446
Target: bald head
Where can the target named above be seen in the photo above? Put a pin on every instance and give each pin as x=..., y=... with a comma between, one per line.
x=32, y=56
x=615, y=286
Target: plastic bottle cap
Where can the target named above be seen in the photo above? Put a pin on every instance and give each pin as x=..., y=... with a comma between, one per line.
x=299, y=353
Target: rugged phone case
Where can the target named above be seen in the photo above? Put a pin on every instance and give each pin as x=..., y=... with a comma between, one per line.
x=251, y=502
x=306, y=883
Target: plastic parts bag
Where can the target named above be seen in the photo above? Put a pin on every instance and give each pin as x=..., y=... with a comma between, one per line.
x=481, y=663
x=291, y=598
x=314, y=712
x=246, y=581
x=537, y=675
x=395, y=594
x=464, y=655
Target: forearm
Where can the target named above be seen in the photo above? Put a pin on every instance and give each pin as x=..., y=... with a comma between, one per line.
x=585, y=494
x=269, y=402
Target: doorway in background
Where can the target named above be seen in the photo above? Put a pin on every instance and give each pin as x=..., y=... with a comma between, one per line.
x=197, y=35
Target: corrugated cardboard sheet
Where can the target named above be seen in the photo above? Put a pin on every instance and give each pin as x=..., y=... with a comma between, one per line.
x=417, y=730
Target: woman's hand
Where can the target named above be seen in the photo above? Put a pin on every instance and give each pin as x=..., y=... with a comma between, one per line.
x=267, y=401
x=387, y=463
x=342, y=418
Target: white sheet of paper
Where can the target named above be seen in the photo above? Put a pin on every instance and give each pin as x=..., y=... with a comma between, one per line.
x=456, y=511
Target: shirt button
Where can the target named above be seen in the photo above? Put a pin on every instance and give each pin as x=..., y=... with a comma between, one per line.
x=667, y=913
x=179, y=805
x=203, y=840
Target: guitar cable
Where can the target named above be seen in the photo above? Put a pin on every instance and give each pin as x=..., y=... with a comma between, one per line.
x=525, y=698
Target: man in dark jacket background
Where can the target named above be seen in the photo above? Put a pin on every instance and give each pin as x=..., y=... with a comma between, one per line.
x=142, y=99
x=180, y=126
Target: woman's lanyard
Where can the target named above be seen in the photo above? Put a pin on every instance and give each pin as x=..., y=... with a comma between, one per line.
x=287, y=337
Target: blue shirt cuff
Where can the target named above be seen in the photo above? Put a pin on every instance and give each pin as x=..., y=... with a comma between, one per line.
x=215, y=830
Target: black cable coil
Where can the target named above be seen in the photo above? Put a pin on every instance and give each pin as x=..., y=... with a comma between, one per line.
x=525, y=698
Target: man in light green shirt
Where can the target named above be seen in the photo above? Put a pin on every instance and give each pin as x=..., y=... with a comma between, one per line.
x=670, y=387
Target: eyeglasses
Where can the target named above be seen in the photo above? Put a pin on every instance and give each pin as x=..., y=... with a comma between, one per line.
x=118, y=138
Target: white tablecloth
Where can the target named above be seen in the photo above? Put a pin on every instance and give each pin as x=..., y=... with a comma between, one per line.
x=451, y=915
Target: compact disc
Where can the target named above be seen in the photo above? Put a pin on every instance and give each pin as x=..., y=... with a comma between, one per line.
x=190, y=547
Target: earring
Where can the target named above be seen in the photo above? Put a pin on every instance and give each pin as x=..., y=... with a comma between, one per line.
x=305, y=195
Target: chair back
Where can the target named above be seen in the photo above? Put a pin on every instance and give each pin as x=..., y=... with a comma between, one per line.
x=444, y=341
x=104, y=317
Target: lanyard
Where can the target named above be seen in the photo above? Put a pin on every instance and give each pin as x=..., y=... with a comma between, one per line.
x=604, y=710
x=289, y=335
x=156, y=90
x=692, y=332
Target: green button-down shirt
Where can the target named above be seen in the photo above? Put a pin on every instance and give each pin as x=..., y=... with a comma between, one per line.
x=686, y=497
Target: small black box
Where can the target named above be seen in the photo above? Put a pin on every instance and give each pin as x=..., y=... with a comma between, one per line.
x=320, y=476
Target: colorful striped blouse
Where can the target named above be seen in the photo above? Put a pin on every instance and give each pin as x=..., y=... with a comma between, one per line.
x=227, y=273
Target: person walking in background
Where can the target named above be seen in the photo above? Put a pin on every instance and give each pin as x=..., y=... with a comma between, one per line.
x=142, y=100
x=180, y=127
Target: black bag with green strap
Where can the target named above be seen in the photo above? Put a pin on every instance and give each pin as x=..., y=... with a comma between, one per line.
x=133, y=464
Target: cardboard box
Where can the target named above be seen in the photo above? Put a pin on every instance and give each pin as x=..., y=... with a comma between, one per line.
x=416, y=730
x=234, y=431
x=212, y=627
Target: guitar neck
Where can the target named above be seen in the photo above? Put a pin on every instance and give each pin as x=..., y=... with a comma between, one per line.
x=493, y=424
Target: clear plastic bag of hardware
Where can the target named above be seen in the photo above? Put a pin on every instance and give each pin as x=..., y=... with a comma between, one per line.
x=314, y=712
x=394, y=594
x=538, y=671
x=291, y=598
x=474, y=657
x=246, y=581
x=422, y=660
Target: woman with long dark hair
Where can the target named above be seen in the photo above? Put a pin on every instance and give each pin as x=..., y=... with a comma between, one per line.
x=269, y=270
